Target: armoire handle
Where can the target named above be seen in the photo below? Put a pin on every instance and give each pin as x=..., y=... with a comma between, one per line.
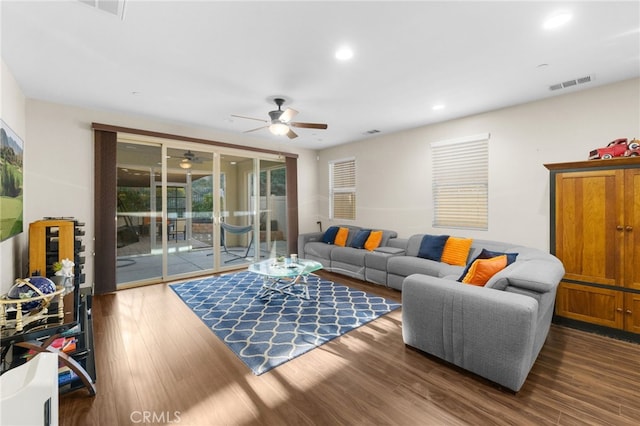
x=629, y=228
x=619, y=228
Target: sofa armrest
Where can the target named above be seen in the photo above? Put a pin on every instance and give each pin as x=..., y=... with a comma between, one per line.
x=486, y=331
x=537, y=275
x=307, y=238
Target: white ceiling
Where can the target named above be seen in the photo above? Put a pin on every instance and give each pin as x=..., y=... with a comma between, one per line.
x=196, y=63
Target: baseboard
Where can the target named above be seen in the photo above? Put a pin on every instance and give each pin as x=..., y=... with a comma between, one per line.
x=597, y=329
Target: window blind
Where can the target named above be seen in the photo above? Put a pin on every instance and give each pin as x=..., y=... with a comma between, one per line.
x=460, y=181
x=342, y=189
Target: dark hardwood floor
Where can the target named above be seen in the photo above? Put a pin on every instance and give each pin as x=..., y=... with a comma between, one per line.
x=157, y=363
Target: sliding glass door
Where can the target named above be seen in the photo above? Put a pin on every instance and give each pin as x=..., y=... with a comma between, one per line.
x=189, y=206
x=138, y=217
x=273, y=207
x=184, y=210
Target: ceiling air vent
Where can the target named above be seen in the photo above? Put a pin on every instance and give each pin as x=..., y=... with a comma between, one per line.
x=584, y=79
x=571, y=83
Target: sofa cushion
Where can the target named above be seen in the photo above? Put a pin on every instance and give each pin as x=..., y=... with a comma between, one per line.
x=488, y=254
x=360, y=238
x=374, y=240
x=329, y=236
x=348, y=255
x=432, y=247
x=378, y=258
x=317, y=249
x=482, y=270
x=406, y=265
x=456, y=251
x=341, y=237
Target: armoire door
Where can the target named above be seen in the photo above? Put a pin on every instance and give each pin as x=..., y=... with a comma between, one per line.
x=589, y=210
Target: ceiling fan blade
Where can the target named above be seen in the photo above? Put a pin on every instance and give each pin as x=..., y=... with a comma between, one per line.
x=288, y=114
x=292, y=134
x=257, y=128
x=309, y=125
x=249, y=118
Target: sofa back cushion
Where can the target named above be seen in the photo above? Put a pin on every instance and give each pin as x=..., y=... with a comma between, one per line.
x=432, y=247
x=374, y=240
x=329, y=236
x=481, y=270
x=413, y=246
x=456, y=251
x=360, y=238
x=495, y=246
x=386, y=236
x=341, y=237
x=352, y=231
x=349, y=230
x=488, y=254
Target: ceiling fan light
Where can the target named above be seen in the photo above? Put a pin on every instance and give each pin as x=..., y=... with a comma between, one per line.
x=185, y=164
x=279, y=129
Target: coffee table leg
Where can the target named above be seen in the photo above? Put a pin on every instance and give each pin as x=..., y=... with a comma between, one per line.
x=272, y=285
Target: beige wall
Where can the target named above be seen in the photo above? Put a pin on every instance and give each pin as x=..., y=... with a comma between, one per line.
x=13, y=113
x=393, y=175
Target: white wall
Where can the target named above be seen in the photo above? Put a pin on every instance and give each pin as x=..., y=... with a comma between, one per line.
x=59, y=165
x=393, y=174
x=13, y=112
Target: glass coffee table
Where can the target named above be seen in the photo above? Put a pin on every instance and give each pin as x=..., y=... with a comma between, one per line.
x=285, y=277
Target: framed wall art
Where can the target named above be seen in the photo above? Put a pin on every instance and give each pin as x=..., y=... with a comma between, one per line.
x=11, y=178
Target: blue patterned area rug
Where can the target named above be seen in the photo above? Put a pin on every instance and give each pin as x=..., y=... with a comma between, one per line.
x=267, y=332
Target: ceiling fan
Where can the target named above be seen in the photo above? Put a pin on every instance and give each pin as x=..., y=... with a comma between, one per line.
x=189, y=158
x=280, y=123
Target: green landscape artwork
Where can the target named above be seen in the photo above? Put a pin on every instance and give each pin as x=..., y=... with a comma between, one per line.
x=11, y=178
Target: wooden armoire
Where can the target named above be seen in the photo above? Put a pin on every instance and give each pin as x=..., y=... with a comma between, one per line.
x=595, y=232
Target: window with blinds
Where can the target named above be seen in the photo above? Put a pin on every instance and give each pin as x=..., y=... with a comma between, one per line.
x=460, y=182
x=342, y=189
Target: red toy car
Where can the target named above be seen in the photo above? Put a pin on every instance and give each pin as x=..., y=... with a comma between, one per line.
x=616, y=148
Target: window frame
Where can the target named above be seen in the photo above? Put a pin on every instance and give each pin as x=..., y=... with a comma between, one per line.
x=337, y=190
x=460, y=182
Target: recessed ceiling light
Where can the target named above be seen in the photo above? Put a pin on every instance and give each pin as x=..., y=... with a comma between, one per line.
x=344, y=53
x=437, y=107
x=556, y=20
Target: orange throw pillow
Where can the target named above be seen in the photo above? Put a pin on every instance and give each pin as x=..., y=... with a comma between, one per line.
x=341, y=237
x=456, y=251
x=374, y=240
x=483, y=269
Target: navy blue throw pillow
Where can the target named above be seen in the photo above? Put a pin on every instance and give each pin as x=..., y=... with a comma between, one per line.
x=330, y=234
x=432, y=247
x=360, y=238
x=487, y=254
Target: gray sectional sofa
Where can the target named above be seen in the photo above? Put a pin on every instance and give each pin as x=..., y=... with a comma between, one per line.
x=495, y=331
x=348, y=260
